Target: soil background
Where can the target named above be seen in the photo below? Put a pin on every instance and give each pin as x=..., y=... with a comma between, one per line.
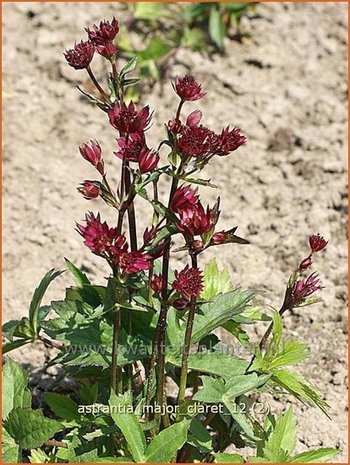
x=286, y=89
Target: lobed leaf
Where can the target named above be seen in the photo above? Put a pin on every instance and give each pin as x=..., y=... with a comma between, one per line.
x=29, y=428
x=14, y=389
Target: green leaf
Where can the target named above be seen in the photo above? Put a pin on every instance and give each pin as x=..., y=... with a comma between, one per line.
x=165, y=445
x=235, y=329
x=217, y=28
x=276, y=456
x=14, y=389
x=9, y=328
x=38, y=456
x=88, y=393
x=276, y=330
x=225, y=366
x=25, y=330
x=212, y=391
x=215, y=281
x=129, y=426
x=38, y=296
x=199, y=437
x=80, y=278
x=214, y=314
x=156, y=49
x=10, y=450
x=314, y=456
x=240, y=418
x=129, y=67
x=30, y=428
x=236, y=6
x=292, y=353
x=7, y=347
x=225, y=457
x=284, y=434
x=194, y=38
x=130, y=82
x=149, y=11
x=296, y=385
x=62, y=406
x=242, y=384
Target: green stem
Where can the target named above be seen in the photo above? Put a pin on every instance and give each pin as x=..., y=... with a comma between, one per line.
x=116, y=373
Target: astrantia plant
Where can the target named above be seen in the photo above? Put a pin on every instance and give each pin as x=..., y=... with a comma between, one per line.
x=122, y=341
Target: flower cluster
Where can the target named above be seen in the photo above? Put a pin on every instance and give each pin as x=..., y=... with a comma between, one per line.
x=195, y=139
x=304, y=288
x=194, y=218
x=188, y=89
x=316, y=243
x=107, y=243
x=128, y=120
x=188, y=282
x=100, y=40
x=81, y=55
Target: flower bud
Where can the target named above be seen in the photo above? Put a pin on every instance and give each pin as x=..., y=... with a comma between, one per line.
x=305, y=264
x=89, y=190
x=81, y=55
x=181, y=304
x=175, y=126
x=92, y=152
x=107, y=50
x=218, y=238
x=148, y=160
x=157, y=283
x=194, y=118
x=197, y=245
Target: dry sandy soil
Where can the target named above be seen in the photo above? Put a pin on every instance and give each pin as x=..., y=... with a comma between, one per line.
x=286, y=88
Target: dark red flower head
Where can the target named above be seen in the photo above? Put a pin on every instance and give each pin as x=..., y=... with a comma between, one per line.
x=128, y=120
x=130, y=148
x=157, y=283
x=148, y=160
x=92, y=152
x=196, y=221
x=99, y=237
x=197, y=141
x=105, y=32
x=229, y=140
x=81, y=55
x=133, y=262
x=89, y=189
x=304, y=288
x=188, y=282
x=188, y=89
x=317, y=242
x=184, y=198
